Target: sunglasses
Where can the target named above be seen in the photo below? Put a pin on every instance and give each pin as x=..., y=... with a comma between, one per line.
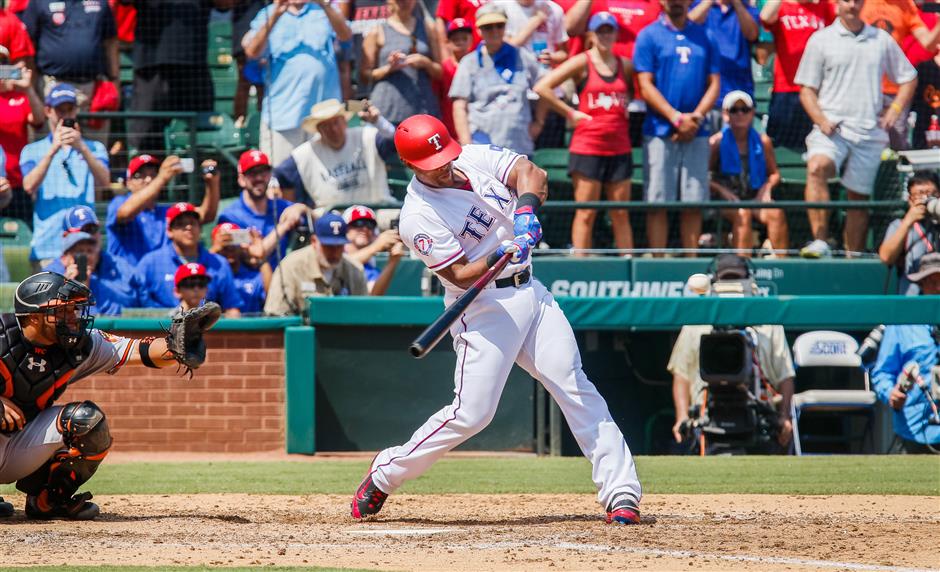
x=738, y=110
x=194, y=283
x=362, y=224
x=143, y=174
x=492, y=27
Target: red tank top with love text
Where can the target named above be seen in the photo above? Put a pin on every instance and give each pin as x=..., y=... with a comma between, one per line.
x=605, y=99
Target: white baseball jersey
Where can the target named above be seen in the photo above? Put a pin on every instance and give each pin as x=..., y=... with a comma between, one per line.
x=513, y=325
x=441, y=225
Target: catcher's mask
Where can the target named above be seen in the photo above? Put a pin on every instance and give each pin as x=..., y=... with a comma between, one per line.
x=63, y=303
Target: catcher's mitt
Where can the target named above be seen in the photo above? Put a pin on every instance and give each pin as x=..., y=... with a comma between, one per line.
x=184, y=337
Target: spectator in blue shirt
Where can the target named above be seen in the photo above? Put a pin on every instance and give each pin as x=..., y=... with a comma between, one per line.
x=294, y=40
x=154, y=280
x=275, y=219
x=906, y=347
x=734, y=24
x=677, y=63
x=136, y=224
x=60, y=171
x=108, y=277
x=365, y=242
x=252, y=275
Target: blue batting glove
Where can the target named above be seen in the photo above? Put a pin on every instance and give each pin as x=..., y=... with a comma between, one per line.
x=519, y=247
x=525, y=222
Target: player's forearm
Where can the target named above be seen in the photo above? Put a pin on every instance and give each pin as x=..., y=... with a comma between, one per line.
x=526, y=178
x=151, y=353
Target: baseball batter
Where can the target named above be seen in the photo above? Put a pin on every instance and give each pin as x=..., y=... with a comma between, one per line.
x=51, y=450
x=466, y=207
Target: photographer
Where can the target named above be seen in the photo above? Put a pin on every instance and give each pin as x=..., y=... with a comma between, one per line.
x=135, y=223
x=365, y=242
x=904, y=375
x=60, y=170
x=909, y=238
x=775, y=364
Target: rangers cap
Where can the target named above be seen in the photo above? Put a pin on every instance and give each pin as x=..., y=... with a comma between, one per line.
x=358, y=213
x=250, y=159
x=79, y=217
x=190, y=270
x=331, y=230
x=424, y=141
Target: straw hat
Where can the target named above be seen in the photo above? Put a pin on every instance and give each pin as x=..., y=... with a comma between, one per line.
x=324, y=111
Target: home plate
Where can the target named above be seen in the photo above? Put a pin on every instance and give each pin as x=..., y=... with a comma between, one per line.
x=401, y=531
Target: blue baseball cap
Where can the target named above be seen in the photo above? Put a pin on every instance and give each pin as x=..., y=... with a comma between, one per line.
x=61, y=93
x=602, y=19
x=78, y=217
x=331, y=229
x=73, y=238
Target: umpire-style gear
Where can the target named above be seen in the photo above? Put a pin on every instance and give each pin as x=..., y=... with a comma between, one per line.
x=51, y=488
x=63, y=302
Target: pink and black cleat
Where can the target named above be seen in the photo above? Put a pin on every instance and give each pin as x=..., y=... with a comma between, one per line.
x=368, y=499
x=623, y=510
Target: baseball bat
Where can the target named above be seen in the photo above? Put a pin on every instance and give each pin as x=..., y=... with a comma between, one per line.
x=437, y=330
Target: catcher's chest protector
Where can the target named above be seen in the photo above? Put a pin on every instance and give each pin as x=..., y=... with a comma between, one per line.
x=33, y=377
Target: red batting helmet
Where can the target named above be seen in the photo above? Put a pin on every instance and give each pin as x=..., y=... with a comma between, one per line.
x=424, y=142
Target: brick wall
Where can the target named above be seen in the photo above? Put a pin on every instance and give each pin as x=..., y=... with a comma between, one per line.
x=235, y=401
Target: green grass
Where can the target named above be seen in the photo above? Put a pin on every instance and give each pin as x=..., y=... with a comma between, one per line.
x=897, y=474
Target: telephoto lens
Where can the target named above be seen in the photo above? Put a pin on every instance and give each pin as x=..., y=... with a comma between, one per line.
x=933, y=209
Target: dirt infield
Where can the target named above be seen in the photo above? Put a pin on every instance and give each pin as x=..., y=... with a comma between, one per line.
x=490, y=532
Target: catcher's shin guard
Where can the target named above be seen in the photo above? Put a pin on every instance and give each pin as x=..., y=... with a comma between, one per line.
x=51, y=489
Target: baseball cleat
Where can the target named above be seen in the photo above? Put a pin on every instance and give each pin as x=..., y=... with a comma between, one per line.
x=76, y=508
x=368, y=499
x=623, y=510
x=6, y=509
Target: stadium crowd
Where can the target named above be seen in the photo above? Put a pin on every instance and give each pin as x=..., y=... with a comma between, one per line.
x=675, y=78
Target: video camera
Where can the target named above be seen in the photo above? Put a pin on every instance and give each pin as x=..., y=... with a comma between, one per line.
x=733, y=419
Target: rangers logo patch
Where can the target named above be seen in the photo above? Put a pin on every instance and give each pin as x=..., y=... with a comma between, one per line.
x=423, y=243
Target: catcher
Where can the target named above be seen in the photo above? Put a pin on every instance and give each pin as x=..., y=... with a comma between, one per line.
x=50, y=450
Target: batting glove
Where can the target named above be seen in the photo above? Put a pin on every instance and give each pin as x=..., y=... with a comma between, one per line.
x=519, y=247
x=526, y=223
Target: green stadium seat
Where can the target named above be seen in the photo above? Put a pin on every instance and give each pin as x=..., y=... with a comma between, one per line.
x=251, y=130
x=16, y=247
x=215, y=134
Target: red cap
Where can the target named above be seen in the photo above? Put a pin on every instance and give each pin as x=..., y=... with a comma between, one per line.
x=459, y=24
x=358, y=212
x=252, y=158
x=188, y=271
x=423, y=141
x=139, y=161
x=226, y=226
x=178, y=209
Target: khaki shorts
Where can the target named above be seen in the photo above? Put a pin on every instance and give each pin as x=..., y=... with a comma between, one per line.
x=857, y=157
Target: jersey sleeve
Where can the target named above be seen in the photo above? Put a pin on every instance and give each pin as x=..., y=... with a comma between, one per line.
x=431, y=240
x=108, y=353
x=494, y=160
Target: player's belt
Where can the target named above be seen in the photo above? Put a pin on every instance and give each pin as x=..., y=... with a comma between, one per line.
x=516, y=280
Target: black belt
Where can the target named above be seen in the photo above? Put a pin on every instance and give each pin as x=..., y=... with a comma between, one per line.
x=516, y=280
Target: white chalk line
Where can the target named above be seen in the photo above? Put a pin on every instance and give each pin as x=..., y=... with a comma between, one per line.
x=401, y=531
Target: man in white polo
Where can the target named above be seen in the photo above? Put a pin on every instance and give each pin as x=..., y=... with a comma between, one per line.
x=341, y=165
x=840, y=78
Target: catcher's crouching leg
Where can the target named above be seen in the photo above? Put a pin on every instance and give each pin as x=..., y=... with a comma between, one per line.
x=51, y=489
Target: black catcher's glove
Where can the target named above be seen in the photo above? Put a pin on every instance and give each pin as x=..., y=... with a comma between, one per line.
x=184, y=338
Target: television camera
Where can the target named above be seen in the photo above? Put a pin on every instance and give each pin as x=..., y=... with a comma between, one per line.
x=736, y=415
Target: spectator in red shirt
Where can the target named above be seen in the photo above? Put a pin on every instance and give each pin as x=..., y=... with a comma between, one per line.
x=600, y=158
x=450, y=10
x=20, y=108
x=632, y=16
x=459, y=44
x=791, y=22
